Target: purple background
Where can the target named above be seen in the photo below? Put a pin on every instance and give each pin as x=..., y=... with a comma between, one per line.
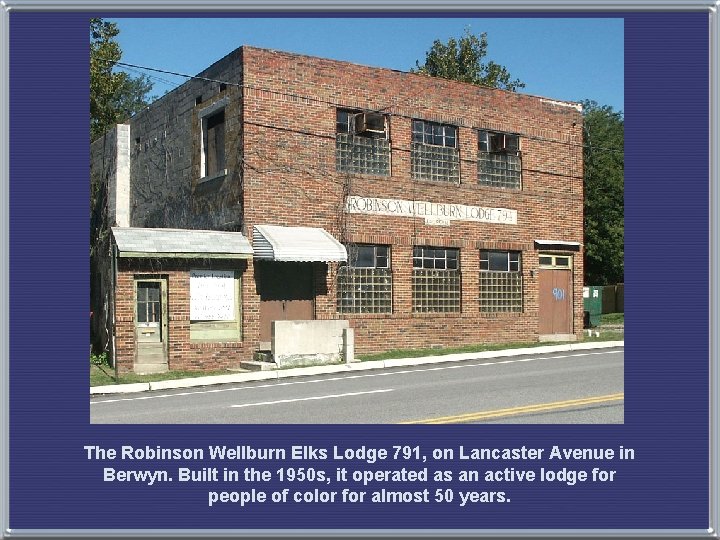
x=52, y=485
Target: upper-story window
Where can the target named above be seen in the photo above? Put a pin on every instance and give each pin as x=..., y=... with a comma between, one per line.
x=362, y=144
x=434, y=153
x=499, y=160
x=212, y=141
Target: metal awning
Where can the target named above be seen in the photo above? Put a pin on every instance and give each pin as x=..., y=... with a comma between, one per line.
x=557, y=244
x=306, y=244
x=181, y=243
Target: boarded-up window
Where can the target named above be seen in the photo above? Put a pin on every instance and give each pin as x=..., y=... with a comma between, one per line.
x=214, y=305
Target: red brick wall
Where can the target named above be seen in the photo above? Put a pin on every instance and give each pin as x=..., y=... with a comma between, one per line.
x=182, y=353
x=290, y=179
x=280, y=155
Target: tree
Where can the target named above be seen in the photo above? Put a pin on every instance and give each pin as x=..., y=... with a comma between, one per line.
x=462, y=60
x=114, y=96
x=604, y=195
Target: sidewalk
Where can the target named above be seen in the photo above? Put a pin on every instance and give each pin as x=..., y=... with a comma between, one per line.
x=344, y=368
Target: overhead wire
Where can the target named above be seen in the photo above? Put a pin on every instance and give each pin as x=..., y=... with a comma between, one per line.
x=341, y=105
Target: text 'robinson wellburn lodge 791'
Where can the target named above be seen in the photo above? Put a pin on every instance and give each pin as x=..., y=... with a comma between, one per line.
x=403, y=210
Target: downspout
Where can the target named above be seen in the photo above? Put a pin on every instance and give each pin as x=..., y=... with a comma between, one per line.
x=113, y=271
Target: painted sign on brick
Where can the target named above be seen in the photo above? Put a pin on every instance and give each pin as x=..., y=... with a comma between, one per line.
x=428, y=210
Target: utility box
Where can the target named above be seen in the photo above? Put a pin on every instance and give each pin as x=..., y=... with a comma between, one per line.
x=592, y=304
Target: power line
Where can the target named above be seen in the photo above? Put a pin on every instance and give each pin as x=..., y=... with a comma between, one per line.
x=341, y=105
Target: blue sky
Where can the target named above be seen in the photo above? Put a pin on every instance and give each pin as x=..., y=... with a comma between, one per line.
x=561, y=58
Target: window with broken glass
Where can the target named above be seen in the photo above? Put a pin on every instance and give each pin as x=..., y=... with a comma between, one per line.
x=365, y=282
x=499, y=160
x=436, y=279
x=501, y=285
x=434, y=152
x=362, y=144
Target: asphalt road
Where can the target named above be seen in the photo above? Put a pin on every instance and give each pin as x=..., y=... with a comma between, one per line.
x=558, y=388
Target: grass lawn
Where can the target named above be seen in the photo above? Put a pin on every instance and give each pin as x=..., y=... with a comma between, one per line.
x=612, y=318
x=417, y=353
x=106, y=376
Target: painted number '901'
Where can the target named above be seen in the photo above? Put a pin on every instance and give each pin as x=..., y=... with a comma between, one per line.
x=558, y=293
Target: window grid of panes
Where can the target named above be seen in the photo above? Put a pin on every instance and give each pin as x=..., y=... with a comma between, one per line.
x=148, y=302
x=365, y=283
x=499, y=161
x=501, y=286
x=359, y=154
x=434, y=152
x=436, y=286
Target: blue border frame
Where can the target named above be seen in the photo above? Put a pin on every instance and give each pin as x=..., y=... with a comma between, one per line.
x=52, y=486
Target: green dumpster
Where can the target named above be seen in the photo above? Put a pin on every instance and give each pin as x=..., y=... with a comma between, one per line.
x=592, y=302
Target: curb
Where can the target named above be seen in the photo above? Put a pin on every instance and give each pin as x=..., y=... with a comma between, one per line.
x=344, y=368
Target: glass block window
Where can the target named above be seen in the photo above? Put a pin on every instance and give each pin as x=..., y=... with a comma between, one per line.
x=501, y=287
x=436, y=280
x=434, y=152
x=361, y=143
x=365, y=283
x=499, y=160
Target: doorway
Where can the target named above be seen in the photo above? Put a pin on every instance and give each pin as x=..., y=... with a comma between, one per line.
x=556, y=296
x=287, y=293
x=150, y=325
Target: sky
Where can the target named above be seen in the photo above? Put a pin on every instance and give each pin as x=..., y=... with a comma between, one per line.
x=570, y=59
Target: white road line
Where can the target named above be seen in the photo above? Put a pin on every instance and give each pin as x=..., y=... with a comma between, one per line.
x=311, y=398
x=358, y=376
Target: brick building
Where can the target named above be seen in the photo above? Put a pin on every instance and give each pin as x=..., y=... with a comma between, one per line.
x=272, y=186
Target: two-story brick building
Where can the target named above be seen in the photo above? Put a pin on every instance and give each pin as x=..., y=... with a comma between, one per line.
x=272, y=186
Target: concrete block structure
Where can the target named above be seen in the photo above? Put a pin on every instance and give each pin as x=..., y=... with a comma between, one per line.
x=427, y=213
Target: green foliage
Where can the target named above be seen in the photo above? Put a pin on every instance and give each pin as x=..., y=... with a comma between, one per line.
x=114, y=96
x=462, y=60
x=100, y=360
x=604, y=184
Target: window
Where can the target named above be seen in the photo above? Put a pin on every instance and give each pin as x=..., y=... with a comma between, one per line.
x=214, y=306
x=501, y=287
x=212, y=141
x=365, y=283
x=148, y=302
x=499, y=161
x=434, y=152
x=214, y=144
x=436, y=279
x=555, y=261
x=361, y=143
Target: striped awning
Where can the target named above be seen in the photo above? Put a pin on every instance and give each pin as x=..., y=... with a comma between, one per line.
x=301, y=244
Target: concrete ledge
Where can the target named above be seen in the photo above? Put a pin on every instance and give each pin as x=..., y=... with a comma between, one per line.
x=347, y=368
x=214, y=379
x=120, y=388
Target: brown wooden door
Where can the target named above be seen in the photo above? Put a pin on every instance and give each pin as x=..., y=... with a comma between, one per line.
x=286, y=294
x=555, y=302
